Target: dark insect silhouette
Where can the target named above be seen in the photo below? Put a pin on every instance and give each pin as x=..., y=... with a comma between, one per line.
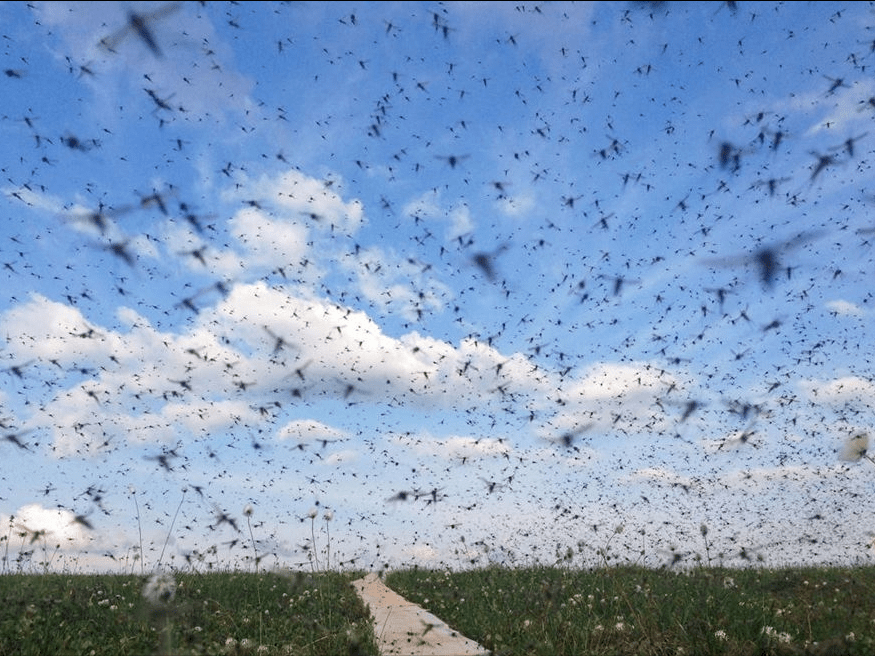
x=484, y=260
x=567, y=438
x=139, y=25
x=768, y=259
x=453, y=160
x=15, y=438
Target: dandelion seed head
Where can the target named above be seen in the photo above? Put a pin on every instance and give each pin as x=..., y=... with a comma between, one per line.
x=855, y=448
x=160, y=588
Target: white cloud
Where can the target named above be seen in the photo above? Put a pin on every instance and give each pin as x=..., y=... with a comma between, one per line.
x=844, y=308
x=268, y=242
x=309, y=430
x=454, y=447
x=853, y=390
x=50, y=527
x=300, y=199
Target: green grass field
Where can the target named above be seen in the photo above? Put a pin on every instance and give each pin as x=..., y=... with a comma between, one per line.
x=634, y=610
x=186, y=613
x=511, y=611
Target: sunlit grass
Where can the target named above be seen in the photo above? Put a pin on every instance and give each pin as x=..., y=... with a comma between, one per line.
x=316, y=614
x=635, y=610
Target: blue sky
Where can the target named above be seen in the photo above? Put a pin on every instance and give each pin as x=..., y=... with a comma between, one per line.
x=484, y=281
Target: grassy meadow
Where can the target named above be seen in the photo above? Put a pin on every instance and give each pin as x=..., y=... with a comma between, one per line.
x=183, y=613
x=630, y=610
x=534, y=610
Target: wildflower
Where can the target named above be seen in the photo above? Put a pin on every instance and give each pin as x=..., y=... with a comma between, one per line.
x=720, y=634
x=312, y=513
x=328, y=516
x=771, y=633
x=160, y=588
x=247, y=510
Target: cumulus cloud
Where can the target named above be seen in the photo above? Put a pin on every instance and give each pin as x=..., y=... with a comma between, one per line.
x=50, y=527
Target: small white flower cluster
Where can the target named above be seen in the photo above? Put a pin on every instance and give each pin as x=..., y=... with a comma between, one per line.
x=772, y=634
x=244, y=646
x=108, y=602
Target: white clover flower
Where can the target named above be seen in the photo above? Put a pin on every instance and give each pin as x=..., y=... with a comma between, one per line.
x=720, y=634
x=776, y=636
x=160, y=588
x=312, y=513
x=328, y=515
x=247, y=510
